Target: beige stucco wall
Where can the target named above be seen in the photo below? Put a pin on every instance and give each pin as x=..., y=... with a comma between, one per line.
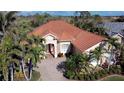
x=50, y=39
x=58, y=47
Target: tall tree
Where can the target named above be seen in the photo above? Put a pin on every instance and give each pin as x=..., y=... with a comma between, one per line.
x=40, y=19
x=34, y=52
x=14, y=53
x=8, y=56
x=88, y=22
x=6, y=20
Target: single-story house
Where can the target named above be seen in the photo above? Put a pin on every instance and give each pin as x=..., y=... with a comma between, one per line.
x=62, y=37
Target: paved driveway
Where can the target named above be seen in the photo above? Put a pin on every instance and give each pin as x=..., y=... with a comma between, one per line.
x=51, y=69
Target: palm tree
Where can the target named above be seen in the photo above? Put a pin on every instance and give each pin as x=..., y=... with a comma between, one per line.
x=85, y=63
x=7, y=56
x=6, y=20
x=78, y=64
x=114, y=46
x=97, y=54
x=33, y=51
x=14, y=54
x=84, y=20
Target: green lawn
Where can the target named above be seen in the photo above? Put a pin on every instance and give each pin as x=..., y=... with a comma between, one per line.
x=114, y=78
x=35, y=76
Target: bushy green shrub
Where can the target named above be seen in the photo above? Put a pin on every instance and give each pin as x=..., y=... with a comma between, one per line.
x=76, y=77
x=106, y=71
x=118, y=69
x=87, y=77
x=111, y=70
x=92, y=76
x=96, y=76
x=69, y=74
x=115, y=69
x=101, y=73
x=73, y=69
x=81, y=77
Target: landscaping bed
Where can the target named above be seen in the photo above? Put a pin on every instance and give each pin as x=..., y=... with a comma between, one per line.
x=20, y=76
x=35, y=76
x=93, y=76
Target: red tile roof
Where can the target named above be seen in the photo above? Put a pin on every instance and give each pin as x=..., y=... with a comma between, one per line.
x=64, y=31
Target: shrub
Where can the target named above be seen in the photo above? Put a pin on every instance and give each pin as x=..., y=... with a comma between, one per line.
x=96, y=76
x=87, y=77
x=119, y=69
x=111, y=70
x=106, y=71
x=69, y=74
x=92, y=76
x=81, y=77
x=100, y=73
x=115, y=69
x=76, y=77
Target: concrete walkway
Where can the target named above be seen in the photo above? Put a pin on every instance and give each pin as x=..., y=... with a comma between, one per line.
x=51, y=69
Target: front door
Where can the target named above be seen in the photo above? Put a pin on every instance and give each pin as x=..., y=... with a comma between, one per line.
x=50, y=49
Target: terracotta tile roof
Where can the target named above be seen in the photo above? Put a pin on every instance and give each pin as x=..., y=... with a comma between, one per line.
x=67, y=32
x=86, y=40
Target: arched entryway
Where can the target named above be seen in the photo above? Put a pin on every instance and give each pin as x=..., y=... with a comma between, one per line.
x=50, y=49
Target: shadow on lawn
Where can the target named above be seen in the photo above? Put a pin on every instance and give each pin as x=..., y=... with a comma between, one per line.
x=61, y=67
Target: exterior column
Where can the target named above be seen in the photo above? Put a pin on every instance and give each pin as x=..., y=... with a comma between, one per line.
x=55, y=50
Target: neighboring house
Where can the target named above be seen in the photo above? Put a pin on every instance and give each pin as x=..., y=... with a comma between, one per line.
x=115, y=29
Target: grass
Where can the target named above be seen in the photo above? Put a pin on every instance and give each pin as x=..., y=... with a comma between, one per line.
x=114, y=78
x=35, y=76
